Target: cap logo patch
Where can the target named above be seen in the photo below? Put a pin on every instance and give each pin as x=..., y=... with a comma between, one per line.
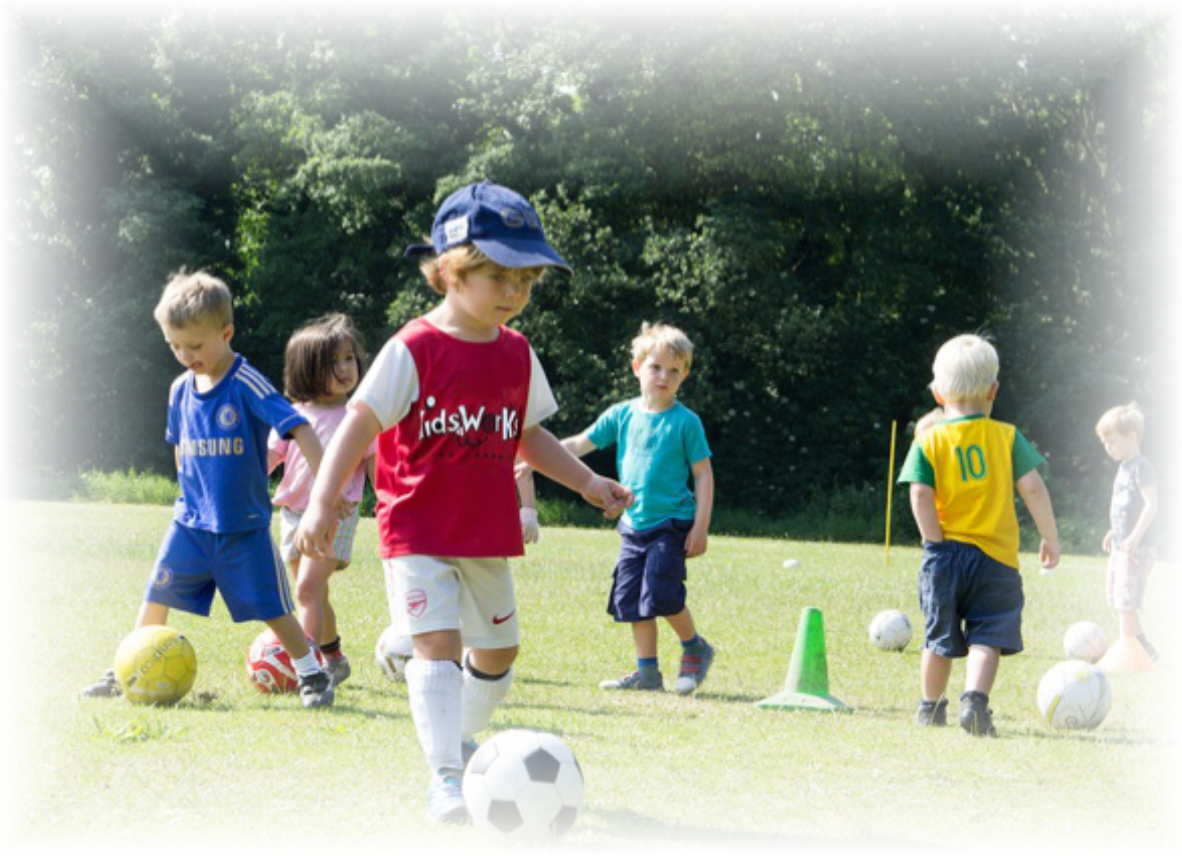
x=512, y=218
x=456, y=231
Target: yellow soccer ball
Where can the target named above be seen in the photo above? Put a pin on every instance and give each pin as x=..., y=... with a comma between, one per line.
x=155, y=665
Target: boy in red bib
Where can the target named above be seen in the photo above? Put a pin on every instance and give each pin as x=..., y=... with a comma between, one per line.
x=453, y=398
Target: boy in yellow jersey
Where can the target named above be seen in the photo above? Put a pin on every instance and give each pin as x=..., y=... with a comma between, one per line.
x=962, y=473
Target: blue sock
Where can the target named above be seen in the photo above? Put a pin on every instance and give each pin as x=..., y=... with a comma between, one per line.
x=695, y=644
x=646, y=665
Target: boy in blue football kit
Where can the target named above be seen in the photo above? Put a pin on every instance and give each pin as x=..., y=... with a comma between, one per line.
x=219, y=415
x=660, y=445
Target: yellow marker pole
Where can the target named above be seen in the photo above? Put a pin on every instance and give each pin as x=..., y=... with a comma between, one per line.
x=890, y=490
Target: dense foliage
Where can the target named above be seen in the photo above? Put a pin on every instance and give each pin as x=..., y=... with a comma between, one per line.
x=818, y=199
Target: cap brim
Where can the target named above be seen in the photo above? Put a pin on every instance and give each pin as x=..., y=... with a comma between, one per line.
x=522, y=254
x=415, y=251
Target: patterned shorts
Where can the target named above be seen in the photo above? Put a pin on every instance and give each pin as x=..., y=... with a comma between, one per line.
x=342, y=545
x=1128, y=577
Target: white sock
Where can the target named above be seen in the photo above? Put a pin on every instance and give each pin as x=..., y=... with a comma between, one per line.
x=481, y=698
x=435, y=688
x=307, y=664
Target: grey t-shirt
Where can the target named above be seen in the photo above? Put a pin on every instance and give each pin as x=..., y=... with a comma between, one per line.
x=1127, y=502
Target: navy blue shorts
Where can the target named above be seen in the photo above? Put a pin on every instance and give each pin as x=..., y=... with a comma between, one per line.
x=244, y=566
x=967, y=599
x=649, y=580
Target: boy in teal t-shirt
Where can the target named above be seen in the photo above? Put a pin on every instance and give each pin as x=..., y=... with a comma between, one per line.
x=661, y=445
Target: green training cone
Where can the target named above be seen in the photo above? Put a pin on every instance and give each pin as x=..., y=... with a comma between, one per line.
x=807, y=685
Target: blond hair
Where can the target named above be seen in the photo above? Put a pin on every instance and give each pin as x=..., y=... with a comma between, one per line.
x=965, y=369
x=929, y=420
x=1124, y=419
x=460, y=261
x=657, y=337
x=194, y=297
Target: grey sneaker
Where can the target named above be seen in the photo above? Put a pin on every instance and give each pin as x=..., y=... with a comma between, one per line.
x=445, y=798
x=932, y=713
x=693, y=669
x=975, y=716
x=316, y=690
x=636, y=681
x=338, y=669
x=107, y=687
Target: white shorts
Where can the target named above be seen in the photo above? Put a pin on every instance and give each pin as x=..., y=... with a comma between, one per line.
x=473, y=596
x=342, y=545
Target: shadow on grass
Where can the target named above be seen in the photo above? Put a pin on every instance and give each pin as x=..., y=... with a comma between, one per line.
x=629, y=832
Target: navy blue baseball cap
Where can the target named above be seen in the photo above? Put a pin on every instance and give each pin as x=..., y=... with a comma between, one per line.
x=498, y=221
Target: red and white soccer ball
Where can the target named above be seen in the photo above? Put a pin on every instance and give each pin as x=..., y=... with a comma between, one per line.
x=269, y=666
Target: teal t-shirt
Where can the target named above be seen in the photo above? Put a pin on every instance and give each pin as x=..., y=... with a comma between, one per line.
x=654, y=454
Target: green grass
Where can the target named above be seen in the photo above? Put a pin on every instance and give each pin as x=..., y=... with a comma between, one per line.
x=232, y=768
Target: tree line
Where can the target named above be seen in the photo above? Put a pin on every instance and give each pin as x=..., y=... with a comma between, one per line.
x=818, y=199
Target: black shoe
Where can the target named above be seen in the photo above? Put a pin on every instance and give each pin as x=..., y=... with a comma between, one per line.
x=932, y=713
x=975, y=716
x=107, y=687
x=316, y=690
x=1149, y=649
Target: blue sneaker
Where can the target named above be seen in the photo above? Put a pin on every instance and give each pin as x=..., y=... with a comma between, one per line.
x=636, y=681
x=467, y=750
x=693, y=669
x=445, y=798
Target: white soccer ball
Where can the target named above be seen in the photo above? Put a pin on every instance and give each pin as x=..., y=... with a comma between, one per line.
x=523, y=786
x=392, y=652
x=1085, y=640
x=890, y=630
x=1074, y=694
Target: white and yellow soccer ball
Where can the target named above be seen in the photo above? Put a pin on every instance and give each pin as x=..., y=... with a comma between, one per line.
x=1085, y=640
x=155, y=665
x=890, y=630
x=523, y=786
x=392, y=652
x=1074, y=694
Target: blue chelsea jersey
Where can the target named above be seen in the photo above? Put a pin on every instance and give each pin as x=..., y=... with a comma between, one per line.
x=221, y=437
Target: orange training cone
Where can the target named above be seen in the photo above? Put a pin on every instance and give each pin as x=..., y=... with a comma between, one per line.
x=1126, y=655
x=807, y=685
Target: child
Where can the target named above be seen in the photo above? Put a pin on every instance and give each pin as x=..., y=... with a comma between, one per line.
x=323, y=363
x=660, y=443
x=453, y=398
x=219, y=414
x=962, y=473
x=1130, y=539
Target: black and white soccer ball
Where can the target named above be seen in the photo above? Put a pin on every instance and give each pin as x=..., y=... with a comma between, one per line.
x=890, y=630
x=524, y=786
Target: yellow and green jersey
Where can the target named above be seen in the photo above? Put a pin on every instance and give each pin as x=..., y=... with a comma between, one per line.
x=972, y=463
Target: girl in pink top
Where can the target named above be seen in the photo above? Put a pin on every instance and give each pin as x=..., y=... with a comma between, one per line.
x=324, y=362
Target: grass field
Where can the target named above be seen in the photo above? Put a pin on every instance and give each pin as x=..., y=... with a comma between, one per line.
x=232, y=769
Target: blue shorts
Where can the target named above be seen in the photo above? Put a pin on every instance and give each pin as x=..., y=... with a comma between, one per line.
x=967, y=599
x=649, y=580
x=244, y=566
